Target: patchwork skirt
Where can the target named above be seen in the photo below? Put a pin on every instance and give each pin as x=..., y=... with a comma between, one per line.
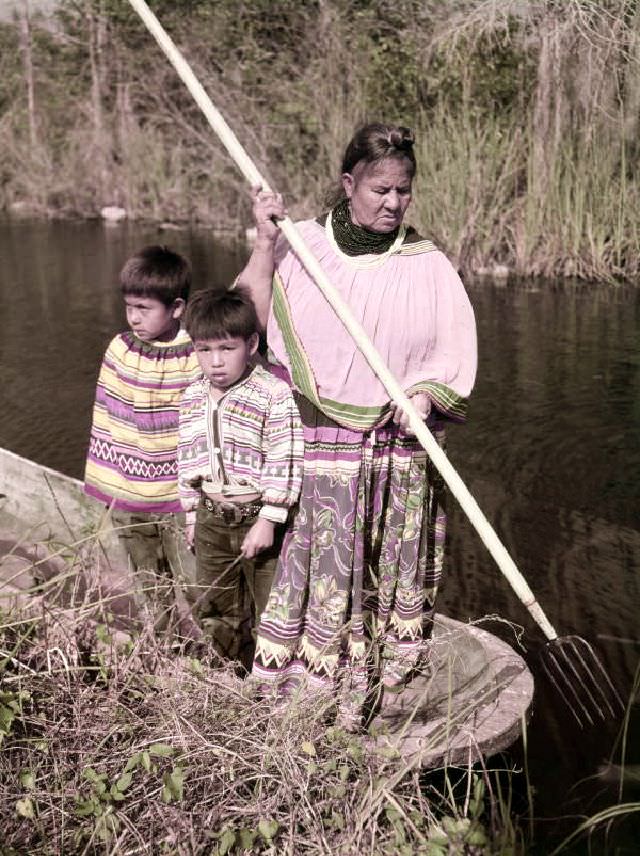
x=355, y=587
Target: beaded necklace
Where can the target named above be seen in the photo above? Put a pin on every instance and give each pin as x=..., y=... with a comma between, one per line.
x=355, y=240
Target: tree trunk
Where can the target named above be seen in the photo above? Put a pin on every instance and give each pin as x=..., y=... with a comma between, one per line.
x=97, y=24
x=27, y=61
x=548, y=111
x=632, y=82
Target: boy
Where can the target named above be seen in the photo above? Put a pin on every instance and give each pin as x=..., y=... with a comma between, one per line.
x=132, y=458
x=239, y=465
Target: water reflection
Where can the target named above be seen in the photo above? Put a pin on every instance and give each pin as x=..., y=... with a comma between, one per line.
x=551, y=451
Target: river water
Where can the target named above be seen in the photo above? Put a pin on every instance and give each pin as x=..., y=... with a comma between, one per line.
x=551, y=451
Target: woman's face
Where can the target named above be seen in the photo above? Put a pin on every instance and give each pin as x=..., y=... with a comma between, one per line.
x=379, y=193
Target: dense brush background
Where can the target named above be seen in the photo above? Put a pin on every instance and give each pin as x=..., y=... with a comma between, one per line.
x=526, y=116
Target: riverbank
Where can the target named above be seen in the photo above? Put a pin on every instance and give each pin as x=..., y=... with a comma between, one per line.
x=240, y=237
x=527, y=163
x=485, y=269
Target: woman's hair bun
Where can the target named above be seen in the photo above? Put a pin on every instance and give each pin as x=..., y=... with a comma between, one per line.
x=401, y=138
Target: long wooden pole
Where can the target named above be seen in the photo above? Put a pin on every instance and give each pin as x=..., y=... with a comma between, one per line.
x=395, y=391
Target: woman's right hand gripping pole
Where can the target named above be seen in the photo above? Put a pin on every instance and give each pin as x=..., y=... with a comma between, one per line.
x=257, y=275
x=267, y=207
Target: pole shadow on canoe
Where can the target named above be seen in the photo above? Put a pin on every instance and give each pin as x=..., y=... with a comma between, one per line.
x=570, y=662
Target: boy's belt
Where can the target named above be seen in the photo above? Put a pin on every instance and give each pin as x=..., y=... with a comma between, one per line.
x=230, y=512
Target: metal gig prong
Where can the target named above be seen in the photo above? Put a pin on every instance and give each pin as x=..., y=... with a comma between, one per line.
x=577, y=674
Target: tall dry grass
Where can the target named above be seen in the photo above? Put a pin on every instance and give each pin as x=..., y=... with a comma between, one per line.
x=120, y=741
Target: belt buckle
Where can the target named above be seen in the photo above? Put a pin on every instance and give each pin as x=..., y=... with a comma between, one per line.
x=232, y=515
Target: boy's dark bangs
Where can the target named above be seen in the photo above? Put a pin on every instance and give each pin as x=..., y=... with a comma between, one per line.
x=151, y=290
x=213, y=314
x=220, y=328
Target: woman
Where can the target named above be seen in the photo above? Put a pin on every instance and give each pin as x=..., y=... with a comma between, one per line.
x=366, y=545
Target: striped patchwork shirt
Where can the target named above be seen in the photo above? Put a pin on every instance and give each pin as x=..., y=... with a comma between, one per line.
x=132, y=457
x=249, y=441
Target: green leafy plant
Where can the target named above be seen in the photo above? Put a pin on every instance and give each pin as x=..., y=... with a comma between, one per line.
x=11, y=708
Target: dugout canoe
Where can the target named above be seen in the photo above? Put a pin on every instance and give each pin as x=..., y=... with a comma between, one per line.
x=470, y=705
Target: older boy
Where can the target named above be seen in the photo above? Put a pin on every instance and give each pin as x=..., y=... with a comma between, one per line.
x=132, y=458
x=239, y=464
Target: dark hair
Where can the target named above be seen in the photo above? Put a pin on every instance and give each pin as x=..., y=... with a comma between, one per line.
x=373, y=143
x=156, y=272
x=215, y=314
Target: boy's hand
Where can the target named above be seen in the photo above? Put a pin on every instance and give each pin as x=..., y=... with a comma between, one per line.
x=258, y=538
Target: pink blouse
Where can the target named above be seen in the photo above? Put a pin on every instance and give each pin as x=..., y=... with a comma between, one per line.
x=413, y=306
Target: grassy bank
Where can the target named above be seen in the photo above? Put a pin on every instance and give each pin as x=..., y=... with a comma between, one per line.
x=121, y=742
x=526, y=115
x=114, y=740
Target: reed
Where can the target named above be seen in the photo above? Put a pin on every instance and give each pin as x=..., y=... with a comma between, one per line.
x=472, y=198
x=467, y=186
x=586, y=223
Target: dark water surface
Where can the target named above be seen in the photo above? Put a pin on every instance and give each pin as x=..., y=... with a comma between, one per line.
x=551, y=451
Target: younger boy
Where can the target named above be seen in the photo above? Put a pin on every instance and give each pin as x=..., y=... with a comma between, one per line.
x=132, y=458
x=239, y=465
